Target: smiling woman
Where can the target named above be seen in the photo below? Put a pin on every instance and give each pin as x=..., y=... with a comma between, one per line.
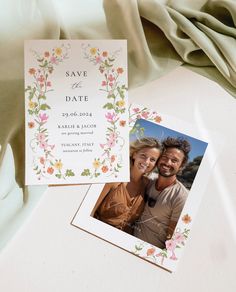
x=120, y=204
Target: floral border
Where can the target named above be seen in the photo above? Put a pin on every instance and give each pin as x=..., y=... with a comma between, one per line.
x=156, y=255
x=109, y=162
x=46, y=164
x=137, y=112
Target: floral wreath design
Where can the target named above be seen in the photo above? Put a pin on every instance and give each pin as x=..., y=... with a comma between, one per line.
x=46, y=164
x=177, y=241
x=109, y=162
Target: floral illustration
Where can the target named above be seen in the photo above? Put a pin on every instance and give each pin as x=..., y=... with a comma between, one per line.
x=109, y=162
x=46, y=164
x=158, y=256
x=140, y=112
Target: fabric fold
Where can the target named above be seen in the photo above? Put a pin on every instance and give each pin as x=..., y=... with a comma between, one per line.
x=194, y=33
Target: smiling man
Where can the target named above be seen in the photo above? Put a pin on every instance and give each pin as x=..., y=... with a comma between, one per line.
x=166, y=196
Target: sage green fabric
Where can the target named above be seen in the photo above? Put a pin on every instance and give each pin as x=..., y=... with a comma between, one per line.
x=162, y=35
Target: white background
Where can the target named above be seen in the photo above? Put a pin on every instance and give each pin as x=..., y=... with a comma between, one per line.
x=48, y=254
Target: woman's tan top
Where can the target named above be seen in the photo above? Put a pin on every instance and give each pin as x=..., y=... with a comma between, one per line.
x=119, y=209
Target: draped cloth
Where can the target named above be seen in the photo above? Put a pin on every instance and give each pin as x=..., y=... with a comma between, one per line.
x=162, y=35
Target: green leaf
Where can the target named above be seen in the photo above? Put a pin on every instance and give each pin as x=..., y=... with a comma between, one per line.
x=138, y=248
x=42, y=97
x=111, y=96
x=111, y=60
x=44, y=107
x=31, y=95
x=30, y=112
x=97, y=174
x=27, y=88
x=69, y=172
x=86, y=172
x=108, y=105
x=107, y=65
x=58, y=175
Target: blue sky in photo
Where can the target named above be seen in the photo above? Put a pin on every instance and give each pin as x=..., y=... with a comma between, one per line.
x=159, y=132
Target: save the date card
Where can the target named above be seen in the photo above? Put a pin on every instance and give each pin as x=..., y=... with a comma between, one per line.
x=76, y=111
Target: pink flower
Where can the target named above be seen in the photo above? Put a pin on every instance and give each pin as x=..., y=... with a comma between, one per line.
x=136, y=110
x=110, y=84
x=43, y=117
x=102, y=145
x=113, y=136
x=43, y=145
x=41, y=137
x=179, y=237
x=46, y=54
x=104, y=83
x=111, y=143
x=173, y=256
x=41, y=78
x=111, y=78
x=49, y=83
x=111, y=117
x=98, y=59
x=42, y=160
x=171, y=244
x=145, y=115
x=53, y=60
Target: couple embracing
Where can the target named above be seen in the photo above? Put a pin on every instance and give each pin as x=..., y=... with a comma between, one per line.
x=148, y=208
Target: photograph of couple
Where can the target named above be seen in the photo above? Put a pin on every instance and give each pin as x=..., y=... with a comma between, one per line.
x=163, y=164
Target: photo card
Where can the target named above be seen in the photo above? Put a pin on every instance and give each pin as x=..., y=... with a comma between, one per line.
x=151, y=216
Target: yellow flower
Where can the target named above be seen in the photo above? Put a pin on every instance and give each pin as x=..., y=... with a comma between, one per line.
x=121, y=103
x=58, y=51
x=58, y=165
x=96, y=164
x=32, y=104
x=93, y=51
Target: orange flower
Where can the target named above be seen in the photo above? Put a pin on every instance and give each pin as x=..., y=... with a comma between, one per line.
x=104, y=54
x=150, y=251
x=186, y=219
x=113, y=158
x=104, y=169
x=31, y=125
x=50, y=170
x=46, y=54
x=122, y=123
x=32, y=71
x=158, y=119
x=120, y=70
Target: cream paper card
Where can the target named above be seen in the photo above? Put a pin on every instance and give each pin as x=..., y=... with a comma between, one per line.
x=146, y=122
x=76, y=111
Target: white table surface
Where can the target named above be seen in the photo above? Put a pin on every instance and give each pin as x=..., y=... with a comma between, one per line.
x=48, y=254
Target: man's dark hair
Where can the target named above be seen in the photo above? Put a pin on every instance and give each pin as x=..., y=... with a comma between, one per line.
x=179, y=143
